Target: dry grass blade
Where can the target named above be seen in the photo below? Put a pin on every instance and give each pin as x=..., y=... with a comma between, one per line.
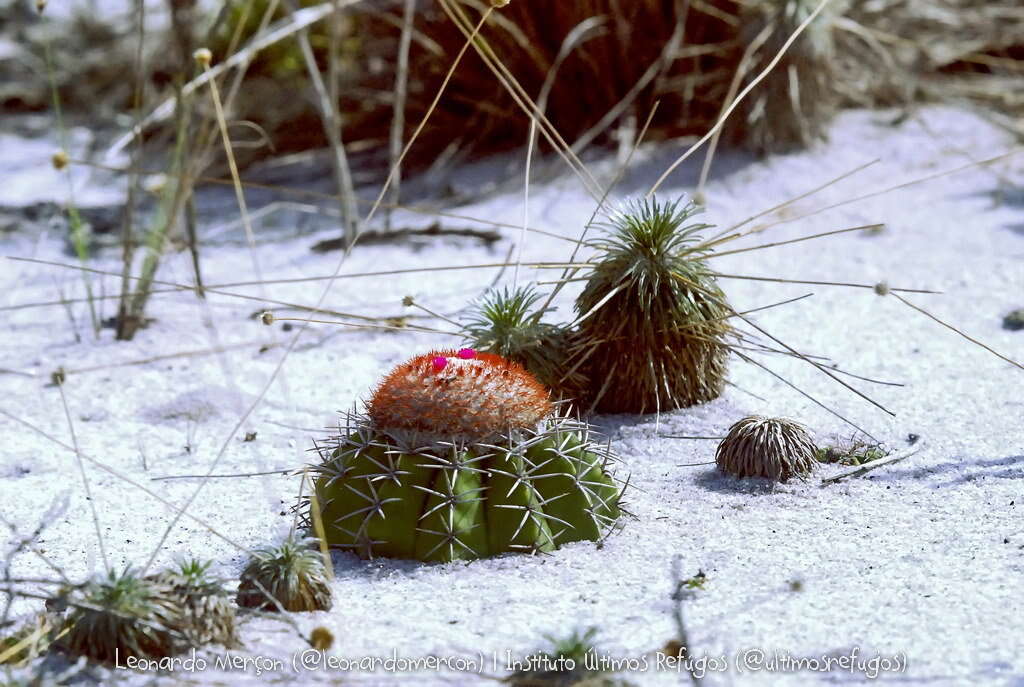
x=307, y=193
x=779, y=280
x=332, y=127
x=568, y=274
x=85, y=478
x=233, y=166
x=820, y=367
x=523, y=99
x=873, y=465
x=215, y=289
x=774, y=244
x=279, y=32
x=128, y=480
x=803, y=393
x=907, y=184
x=957, y=331
x=741, y=71
x=398, y=109
x=806, y=194
x=396, y=166
x=743, y=94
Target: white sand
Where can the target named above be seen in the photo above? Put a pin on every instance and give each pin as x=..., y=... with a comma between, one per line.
x=923, y=559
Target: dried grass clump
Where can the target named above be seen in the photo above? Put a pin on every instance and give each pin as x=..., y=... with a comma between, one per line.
x=29, y=641
x=652, y=317
x=206, y=611
x=946, y=50
x=290, y=576
x=793, y=106
x=771, y=447
x=608, y=60
x=602, y=64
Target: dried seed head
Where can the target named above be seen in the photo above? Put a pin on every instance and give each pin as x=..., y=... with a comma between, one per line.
x=155, y=183
x=203, y=56
x=58, y=376
x=40, y=6
x=321, y=638
x=267, y=318
x=459, y=394
x=882, y=288
x=776, y=448
x=60, y=159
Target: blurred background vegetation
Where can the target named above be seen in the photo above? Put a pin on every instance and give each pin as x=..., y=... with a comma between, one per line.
x=596, y=66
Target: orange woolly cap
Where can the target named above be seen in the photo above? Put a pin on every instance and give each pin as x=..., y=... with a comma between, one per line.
x=459, y=394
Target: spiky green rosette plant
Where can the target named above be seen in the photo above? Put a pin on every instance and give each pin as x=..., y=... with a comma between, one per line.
x=206, y=611
x=776, y=448
x=123, y=614
x=652, y=318
x=459, y=456
x=291, y=576
x=506, y=322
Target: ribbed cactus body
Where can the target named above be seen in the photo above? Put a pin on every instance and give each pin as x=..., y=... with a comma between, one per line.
x=529, y=492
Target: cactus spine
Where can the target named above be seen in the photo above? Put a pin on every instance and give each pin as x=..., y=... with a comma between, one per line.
x=460, y=457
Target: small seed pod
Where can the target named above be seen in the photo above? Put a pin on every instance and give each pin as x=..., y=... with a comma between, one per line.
x=775, y=448
x=882, y=288
x=321, y=638
x=203, y=57
x=60, y=160
x=292, y=574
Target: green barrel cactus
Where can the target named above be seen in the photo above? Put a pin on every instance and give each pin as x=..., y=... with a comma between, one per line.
x=460, y=456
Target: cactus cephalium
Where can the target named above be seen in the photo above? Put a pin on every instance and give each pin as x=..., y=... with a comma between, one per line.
x=652, y=319
x=773, y=447
x=459, y=457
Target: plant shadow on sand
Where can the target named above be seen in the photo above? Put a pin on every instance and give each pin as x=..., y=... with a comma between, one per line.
x=961, y=471
x=348, y=565
x=1007, y=196
x=715, y=481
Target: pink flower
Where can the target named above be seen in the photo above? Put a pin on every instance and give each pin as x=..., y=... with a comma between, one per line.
x=440, y=362
x=467, y=353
